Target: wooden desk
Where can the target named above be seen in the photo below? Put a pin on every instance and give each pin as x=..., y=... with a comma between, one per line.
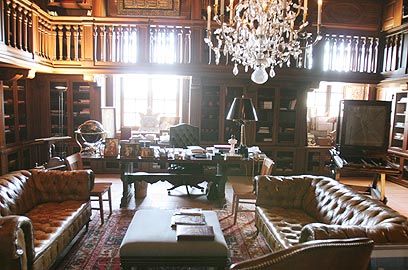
x=377, y=188
x=128, y=176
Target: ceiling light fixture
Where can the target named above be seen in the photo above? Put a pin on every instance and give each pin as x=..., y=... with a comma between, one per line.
x=261, y=34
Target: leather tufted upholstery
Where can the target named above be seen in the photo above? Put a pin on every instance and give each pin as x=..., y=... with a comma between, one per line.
x=183, y=135
x=40, y=213
x=350, y=254
x=304, y=208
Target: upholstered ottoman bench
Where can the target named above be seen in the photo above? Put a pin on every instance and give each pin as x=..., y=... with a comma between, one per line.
x=150, y=241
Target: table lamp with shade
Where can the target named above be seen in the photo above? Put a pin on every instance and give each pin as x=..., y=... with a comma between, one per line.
x=242, y=110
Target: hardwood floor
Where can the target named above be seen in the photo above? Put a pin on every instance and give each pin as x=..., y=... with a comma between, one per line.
x=157, y=196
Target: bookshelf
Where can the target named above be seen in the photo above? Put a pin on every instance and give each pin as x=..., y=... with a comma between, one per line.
x=399, y=124
x=210, y=114
x=81, y=103
x=14, y=111
x=265, y=106
x=287, y=116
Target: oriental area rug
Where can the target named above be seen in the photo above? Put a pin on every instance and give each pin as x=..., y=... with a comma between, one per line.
x=98, y=248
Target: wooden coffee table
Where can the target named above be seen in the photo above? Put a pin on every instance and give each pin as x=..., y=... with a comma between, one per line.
x=150, y=241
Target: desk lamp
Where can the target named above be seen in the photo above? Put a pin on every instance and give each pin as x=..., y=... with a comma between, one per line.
x=241, y=111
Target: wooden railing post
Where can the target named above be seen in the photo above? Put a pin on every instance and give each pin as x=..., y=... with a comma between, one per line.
x=14, y=24
x=2, y=20
x=144, y=41
x=25, y=32
x=87, y=46
x=68, y=41
x=7, y=25
x=76, y=41
x=318, y=55
x=35, y=42
x=53, y=38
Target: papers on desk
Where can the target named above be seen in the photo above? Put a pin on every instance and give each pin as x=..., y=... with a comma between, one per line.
x=194, y=149
x=196, y=152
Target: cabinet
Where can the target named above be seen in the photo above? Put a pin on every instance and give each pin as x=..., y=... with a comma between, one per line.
x=14, y=111
x=398, y=146
x=72, y=101
x=280, y=131
x=400, y=121
x=17, y=150
x=317, y=159
x=265, y=105
x=210, y=114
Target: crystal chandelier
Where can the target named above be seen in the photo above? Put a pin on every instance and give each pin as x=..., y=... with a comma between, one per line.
x=261, y=34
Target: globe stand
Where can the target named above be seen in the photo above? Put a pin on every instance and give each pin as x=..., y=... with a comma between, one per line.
x=90, y=136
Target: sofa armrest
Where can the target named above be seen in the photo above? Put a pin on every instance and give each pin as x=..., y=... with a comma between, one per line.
x=381, y=234
x=57, y=186
x=323, y=254
x=281, y=191
x=17, y=244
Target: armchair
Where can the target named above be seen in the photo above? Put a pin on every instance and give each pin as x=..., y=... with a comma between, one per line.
x=333, y=254
x=181, y=136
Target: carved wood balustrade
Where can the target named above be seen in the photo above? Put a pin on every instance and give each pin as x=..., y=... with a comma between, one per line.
x=90, y=43
x=395, y=54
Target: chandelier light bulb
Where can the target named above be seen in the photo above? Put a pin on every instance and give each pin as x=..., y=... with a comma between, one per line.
x=259, y=75
x=272, y=73
x=235, y=70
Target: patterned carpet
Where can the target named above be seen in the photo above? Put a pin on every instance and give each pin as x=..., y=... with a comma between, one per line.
x=99, y=247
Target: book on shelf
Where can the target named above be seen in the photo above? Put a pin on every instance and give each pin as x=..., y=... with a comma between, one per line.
x=194, y=232
x=187, y=220
x=292, y=104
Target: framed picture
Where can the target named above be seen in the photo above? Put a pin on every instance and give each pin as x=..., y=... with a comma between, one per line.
x=129, y=150
x=111, y=147
x=109, y=121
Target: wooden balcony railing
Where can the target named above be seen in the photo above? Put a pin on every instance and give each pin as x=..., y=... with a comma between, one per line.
x=350, y=53
x=395, y=52
x=16, y=25
x=95, y=42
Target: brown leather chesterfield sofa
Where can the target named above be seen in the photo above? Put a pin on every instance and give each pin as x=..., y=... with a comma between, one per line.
x=40, y=213
x=297, y=209
x=331, y=254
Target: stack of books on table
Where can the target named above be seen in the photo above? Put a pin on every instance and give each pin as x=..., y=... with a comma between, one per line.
x=190, y=225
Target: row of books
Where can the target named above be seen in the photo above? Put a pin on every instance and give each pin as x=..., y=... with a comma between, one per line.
x=190, y=225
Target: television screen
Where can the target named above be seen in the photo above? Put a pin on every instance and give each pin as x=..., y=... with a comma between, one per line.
x=363, y=126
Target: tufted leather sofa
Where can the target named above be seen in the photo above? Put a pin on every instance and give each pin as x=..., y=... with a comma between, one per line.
x=297, y=209
x=40, y=213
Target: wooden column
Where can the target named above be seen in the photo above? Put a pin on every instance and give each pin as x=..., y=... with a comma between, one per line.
x=195, y=101
x=3, y=20
x=197, y=43
x=143, y=53
x=87, y=50
x=196, y=9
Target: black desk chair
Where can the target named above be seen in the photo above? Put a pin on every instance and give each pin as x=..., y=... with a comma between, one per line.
x=181, y=136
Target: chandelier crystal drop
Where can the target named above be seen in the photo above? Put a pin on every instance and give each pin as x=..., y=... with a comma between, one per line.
x=261, y=34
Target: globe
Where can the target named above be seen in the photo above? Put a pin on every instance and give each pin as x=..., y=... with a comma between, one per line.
x=90, y=136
